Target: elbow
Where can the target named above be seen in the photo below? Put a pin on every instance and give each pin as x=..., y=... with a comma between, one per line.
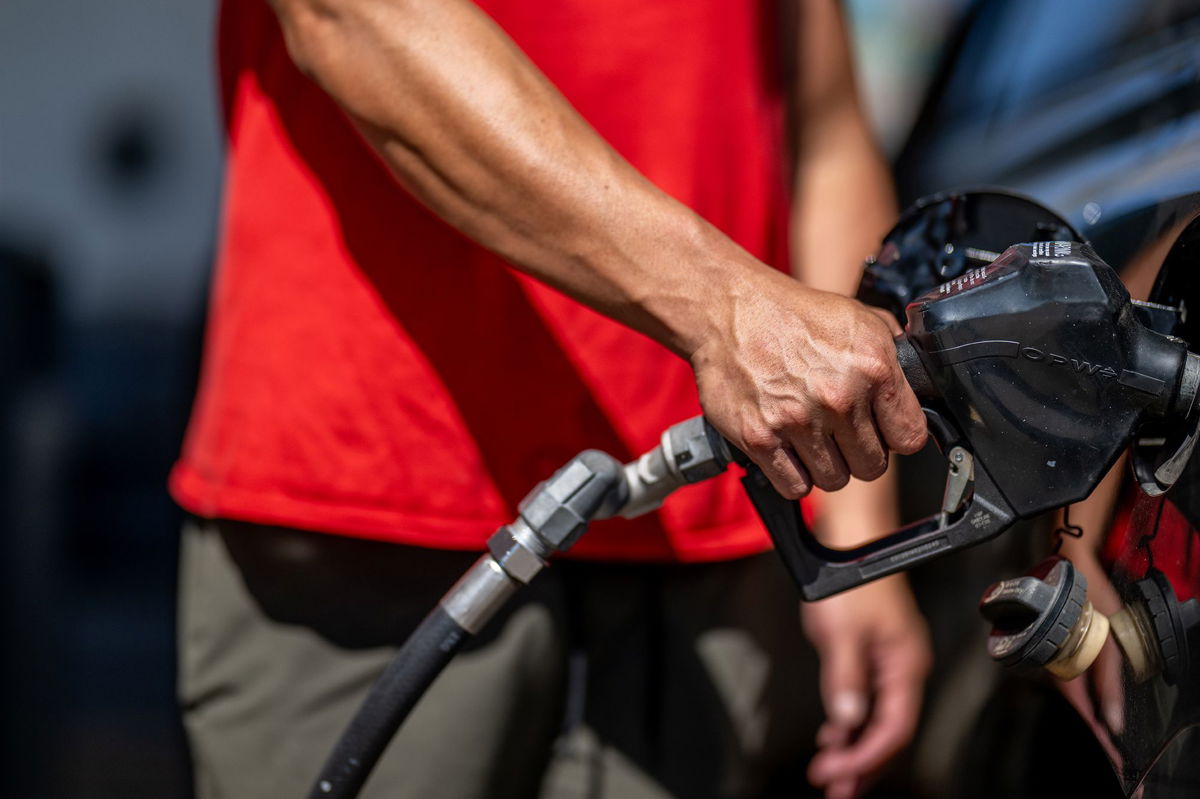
x=306, y=25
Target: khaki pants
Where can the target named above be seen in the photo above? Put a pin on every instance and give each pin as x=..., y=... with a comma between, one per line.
x=599, y=680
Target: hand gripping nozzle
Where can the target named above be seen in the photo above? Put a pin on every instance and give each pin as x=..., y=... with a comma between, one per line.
x=1034, y=374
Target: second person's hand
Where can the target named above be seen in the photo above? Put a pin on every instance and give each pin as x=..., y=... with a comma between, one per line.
x=875, y=655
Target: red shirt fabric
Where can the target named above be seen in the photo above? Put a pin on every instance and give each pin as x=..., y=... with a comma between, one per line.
x=370, y=372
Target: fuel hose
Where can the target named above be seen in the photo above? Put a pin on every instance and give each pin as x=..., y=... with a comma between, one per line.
x=410, y=673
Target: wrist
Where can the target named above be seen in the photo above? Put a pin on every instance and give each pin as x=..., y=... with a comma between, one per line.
x=697, y=281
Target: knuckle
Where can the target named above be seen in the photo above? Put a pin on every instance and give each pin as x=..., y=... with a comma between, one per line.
x=887, y=392
x=825, y=398
x=879, y=370
x=759, y=439
x=794, y=414
x=840, y=402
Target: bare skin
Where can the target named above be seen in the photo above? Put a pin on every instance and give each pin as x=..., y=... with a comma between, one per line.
x=872, y=641
x=803, y=380
x=875, y=656
x=1098, y=695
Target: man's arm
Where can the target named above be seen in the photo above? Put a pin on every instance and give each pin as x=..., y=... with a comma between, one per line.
x=805, y=382
x=873, y=643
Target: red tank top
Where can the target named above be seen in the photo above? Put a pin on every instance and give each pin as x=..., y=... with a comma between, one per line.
x=370, y=372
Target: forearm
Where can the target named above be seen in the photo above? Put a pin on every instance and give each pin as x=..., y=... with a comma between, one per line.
x=476, y=132
x=843, y=198
x=859, y=513
x=843, y=203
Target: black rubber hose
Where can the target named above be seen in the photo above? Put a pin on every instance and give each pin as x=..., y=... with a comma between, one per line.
x=403, y=682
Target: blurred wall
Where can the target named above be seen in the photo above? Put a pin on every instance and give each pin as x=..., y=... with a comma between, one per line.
x=109, y=148
x=897, y=46
x=109, y=170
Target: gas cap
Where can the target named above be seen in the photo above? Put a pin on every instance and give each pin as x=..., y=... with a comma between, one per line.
x=1165, y=627
x=1043, y=620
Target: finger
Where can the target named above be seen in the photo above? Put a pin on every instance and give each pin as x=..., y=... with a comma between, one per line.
x=893, y=326
x=831, y=736
x=843, y=686
x=1079, y=697
x=899, y=416
x=885, y=735
x=890, y=727
x=823, y=460
x=844, y=682
x=1110, y=691
x=843, y=789
x=785, y=471
x=858, y=441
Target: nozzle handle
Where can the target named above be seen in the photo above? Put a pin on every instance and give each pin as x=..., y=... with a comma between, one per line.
x=821, y=571
x=914, y=368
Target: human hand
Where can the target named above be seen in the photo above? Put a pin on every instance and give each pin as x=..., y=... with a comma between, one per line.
x=875, y=655
x=806, y=383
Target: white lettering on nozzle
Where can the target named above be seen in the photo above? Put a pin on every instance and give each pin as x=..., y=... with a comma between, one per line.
x=1051, y=249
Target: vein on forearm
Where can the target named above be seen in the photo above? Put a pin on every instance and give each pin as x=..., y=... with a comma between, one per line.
x=476, y=132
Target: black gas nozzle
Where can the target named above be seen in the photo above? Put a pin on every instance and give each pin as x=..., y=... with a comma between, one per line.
x=1034, y=374
x=942, y=236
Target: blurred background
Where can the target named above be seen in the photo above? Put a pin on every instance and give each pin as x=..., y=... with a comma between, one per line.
x=110, y=162
x=110, y=159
